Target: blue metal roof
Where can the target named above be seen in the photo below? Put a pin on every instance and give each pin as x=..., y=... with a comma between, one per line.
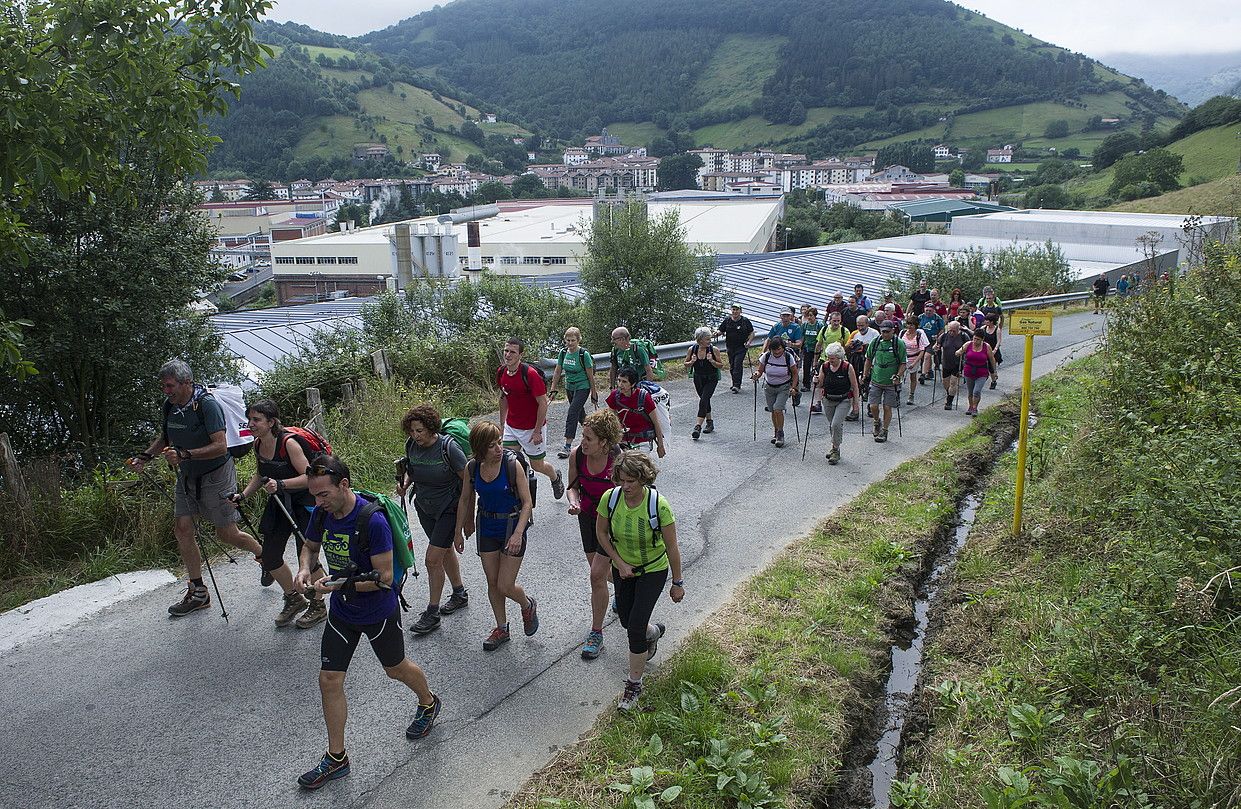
x=263, y=336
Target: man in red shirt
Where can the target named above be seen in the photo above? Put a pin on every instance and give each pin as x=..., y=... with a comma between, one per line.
x=523, y=411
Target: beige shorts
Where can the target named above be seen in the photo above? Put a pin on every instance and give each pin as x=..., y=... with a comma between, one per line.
x=204, y=496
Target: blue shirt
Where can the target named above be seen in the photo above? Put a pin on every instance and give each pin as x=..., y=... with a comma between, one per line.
x=930, y=324
x=338, y=548
x=790, y=333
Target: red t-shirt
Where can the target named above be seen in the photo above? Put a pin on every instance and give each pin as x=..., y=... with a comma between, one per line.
x=523, y=406
x=635, y=410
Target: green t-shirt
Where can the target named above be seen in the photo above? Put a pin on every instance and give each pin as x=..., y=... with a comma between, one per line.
x=631, y=531
x=886, y=357
x=633, y=357
x=190, y=427
x=574, y=367
x=810, y=335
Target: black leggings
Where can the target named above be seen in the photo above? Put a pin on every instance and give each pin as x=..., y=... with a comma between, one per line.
x=577, y=412
x=706, y=389
x=275, y=528
x=635, y=601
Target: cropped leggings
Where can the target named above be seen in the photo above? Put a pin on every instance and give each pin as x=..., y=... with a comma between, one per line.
x=275, y=530
x=577, y=412
x=706, y=389
x=635, y=601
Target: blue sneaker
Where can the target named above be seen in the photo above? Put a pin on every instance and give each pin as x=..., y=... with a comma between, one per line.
x=424, y=718
x=593, y=645
x=329, y=769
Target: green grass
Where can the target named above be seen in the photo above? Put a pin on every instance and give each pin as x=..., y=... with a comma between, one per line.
x=777, y=678
x=635, y=134
x=1218, y=197
x=1212, y=153
x=315, y=51
x=754, y=129
x=737, y=70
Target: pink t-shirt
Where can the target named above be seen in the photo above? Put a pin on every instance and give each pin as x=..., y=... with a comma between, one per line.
x=914, y=345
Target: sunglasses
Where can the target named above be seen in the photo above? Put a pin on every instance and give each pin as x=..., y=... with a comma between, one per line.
x=320, y=469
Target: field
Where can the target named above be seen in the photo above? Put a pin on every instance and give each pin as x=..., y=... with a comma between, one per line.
x=1218, y=197
x=1211, y=154
x=754, y=129
x=632, y=134
x=737, y=70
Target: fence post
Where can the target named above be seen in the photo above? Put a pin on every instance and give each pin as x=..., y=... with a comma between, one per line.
x=346, y=395
x=315, y=404
x=361, y=383
x=13, y=478
x=383, y=365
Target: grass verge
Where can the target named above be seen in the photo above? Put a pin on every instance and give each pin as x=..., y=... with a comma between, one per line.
x=767, y=702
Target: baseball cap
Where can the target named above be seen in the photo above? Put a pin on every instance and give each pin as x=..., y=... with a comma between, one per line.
x=886, y=326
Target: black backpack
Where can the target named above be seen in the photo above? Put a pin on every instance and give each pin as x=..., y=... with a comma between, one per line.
x=532, y=480
x=521, y=371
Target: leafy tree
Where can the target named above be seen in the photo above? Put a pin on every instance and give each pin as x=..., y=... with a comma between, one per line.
x=1014, y=272
x=679, y=171
x=492, y=191
x=528, y=186
x=1159, y=167
x=974, y=160
x=639, y=272
x=1047, y=196
x=473, y=132
x=12, y=364
x=1054, y=171
x=1113, y=148
x=261, y=190
x=1056, y=129
x=956, y=178
x=800, y=228
x=913, y=156
x=216, y=194
x=797, y=114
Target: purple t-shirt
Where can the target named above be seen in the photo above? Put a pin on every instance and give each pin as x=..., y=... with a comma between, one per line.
x=365, y=607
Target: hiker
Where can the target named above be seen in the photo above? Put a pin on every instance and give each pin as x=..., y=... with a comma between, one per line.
x=788, y=332
x=590, y=475
x=893, y=309
x=635, y=408
x=989, y=304
x=193, y=440
x=1122, y=286
x=885, y=366
x=860, y=340
x=916, y=342
x=836, y=383
x=955, y=301
x=950, y=342
x=940, y=308
x=1100, y=288
x=578, y=368
x=627, y=354
x=810, y=327
x=523, y=411
x=704, y=363
x=281, y=472
x=737, y=331
x=973, y=317
x=932, y=325
x=496, y=479
x=849, y=315
x=778, y=367
x=919, y=298
x=833, y=333
x=978, y=363
x=434, y=467
x=355, y=538
x=992, y=335
x=863, y=302
x=837, y=304
x=637, y=532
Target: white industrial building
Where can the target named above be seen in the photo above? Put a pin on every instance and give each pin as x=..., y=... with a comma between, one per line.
x=516, y=237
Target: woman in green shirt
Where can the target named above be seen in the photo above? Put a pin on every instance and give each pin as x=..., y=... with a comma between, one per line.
x=640, y=537
x=578, y=368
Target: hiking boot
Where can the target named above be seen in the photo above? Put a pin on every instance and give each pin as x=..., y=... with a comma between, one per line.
x=196, y=598
x=530, y=617
x=853, y=417
x=316, y=613
x=558, y=485
x=833, y=456
x=424, y=718
x=498, y=636
x=265, y=579
x=329, y=769
x=735, y=389
x=910, y=400
x=455, y=602
x=629, y=699
x=593, y=645
x=564, y=451
x=697, y=432
x=709, y=428
x=294, y=603
x=652, y=639
x=948, y=404
x=881, y=436
x=427, y=623
x=993, y=383
x=780, y=438
x=816, y=409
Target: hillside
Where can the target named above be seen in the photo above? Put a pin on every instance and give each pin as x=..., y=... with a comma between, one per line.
x=1219, y=198
x=1210, y=155
x=1191, y=77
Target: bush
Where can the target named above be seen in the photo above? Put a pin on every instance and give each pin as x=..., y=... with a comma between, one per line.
x=1014, y=272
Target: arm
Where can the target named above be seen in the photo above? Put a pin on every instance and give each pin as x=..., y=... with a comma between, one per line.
x=659, y=430
x=540, y=419
x=991, y=360
x=857, y=396
x=523, y=519
x=139, y=461
x=465, y=510
x=503, y=408
x=590, y=378
x=675, y=592
x=689, y=355
x=306, y=562
x=762, y=366
x=217, y=448
x=297, y=459
x=571, y=488
x=551, y=386
x=716, y=358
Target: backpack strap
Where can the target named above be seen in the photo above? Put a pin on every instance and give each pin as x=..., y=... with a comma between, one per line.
x=361, y=528
x=652, y=511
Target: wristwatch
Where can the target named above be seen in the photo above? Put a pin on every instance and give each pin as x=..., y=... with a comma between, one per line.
x=182, y=453
x=679, y=583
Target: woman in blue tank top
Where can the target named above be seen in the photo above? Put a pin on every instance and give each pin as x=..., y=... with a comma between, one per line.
x=496, y=499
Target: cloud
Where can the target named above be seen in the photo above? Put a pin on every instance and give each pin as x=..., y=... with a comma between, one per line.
x=360, y=17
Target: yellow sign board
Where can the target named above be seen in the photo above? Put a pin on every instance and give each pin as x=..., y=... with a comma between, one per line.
x=1030, y=321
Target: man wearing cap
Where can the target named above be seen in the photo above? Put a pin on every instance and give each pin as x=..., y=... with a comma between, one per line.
x=737, y=331
x=885, y=365
x=788, y=331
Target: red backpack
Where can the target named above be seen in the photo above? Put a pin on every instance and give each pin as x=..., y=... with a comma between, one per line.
x=311, y=442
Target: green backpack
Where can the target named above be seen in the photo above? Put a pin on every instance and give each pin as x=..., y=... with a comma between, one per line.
x=403, y=560
x=648, y=348
x=459, y=430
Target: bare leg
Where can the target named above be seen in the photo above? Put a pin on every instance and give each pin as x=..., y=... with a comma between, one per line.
x=600, y=573
x=435, y=560
x=183, y=530
x=335, y=708
x=410, y=673
x=637, y=666
x=491, y=567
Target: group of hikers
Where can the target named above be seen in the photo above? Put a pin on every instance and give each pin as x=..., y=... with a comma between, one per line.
x=479, y=479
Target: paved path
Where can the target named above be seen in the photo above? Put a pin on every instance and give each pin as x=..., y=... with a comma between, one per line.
x=132, y=709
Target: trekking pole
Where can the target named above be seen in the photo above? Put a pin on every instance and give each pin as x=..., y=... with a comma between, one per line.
x=229, y=496
x=756, y=410
x=158, y=484
x=806, y=443
x=899, y=433
x=211, y=574
x=796, y=426
x=297, y=529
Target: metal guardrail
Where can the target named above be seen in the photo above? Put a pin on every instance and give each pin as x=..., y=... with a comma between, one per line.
x=1046, y=300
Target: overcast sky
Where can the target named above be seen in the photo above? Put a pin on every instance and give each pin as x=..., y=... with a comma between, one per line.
x=1095, y=28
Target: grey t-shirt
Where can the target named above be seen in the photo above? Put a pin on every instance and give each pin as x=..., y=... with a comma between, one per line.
x=437, y=485
x=191, y=427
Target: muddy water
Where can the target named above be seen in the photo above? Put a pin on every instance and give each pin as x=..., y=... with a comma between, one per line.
x=907, y=661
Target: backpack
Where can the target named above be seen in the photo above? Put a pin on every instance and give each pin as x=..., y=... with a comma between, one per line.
x=531, y=480
x=403, y=559
x=525, y=378
x=652, y=514
x=581, y=358
x=236, y=422
x=652, y=359
x=312, y=444
x=873, y=353
x=458, y=429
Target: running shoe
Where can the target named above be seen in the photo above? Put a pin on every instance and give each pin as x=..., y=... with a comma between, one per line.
x=427, y=623
x=948, y=405
x=593, y=645
x=852, y=417
x=629, y=699
x=816, y=409
x=424, y=718
x=530, y=617
x=709, y=428
x=780, y=439
x=498, y=636
x=652, y=639
x=910, y=400
x=316, y=613
x=455, y=602
x=558, y=485
x=294, y=603
x=735, y=389
x=329, y=769
x=993, y=383
x=265, y=579
x=881, y=436
x=196, y=598
x=564, y=451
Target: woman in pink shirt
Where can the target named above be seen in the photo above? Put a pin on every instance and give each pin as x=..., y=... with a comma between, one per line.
x=915, y=343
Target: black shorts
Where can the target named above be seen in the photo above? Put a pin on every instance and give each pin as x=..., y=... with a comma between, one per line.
x=340, y=639
x=590, y=538
x=492, y=544
x=439, y=530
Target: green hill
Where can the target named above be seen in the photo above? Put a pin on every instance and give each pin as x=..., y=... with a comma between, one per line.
x=1219, y=197
x=1212, y=154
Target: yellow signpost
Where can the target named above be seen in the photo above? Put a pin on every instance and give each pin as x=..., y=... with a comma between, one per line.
x=1028, y=322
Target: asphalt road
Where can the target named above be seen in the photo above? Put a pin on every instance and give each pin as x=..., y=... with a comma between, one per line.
x=131, y=708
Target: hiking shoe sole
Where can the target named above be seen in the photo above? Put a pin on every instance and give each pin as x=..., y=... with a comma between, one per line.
x=558, y=485
x=319, y=776
x=530, y=618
